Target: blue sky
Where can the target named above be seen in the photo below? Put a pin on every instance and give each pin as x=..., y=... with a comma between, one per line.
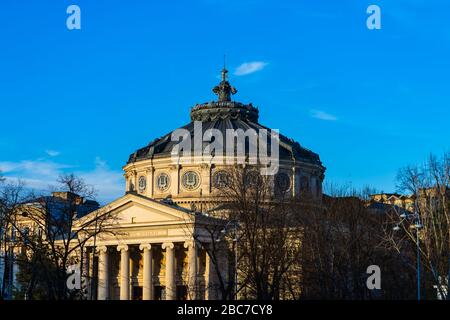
x=368, y=101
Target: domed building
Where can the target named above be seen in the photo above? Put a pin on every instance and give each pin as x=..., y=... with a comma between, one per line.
x=152, y=172
x=154, y=248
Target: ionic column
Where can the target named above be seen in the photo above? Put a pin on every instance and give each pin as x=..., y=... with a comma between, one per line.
x=103, y=273
x=85, y=274
x=210, y=279
x=223, y=262
x=124, y=272
x=170, y=271
x=147, y=289
x=130, y=286
x=192, y=269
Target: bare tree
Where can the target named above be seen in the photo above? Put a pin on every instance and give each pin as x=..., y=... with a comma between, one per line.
x=427, y=229
x=341, y=240
x=208, y=228
x=295, y=248
x=11, y=196
x=258, y=229
x=52, y=236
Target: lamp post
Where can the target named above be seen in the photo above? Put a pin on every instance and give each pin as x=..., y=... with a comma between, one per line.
x=418, y=261
x=234, y=224
x=93, y=278
x=417, y=226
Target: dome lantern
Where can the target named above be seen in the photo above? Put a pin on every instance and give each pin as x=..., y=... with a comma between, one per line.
x=224, y=90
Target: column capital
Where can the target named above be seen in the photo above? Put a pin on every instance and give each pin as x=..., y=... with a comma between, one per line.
x=174, y=167
x=169, y=245
x=145, y=246
x=121, y=247
x=190, y=243
x=103, y=249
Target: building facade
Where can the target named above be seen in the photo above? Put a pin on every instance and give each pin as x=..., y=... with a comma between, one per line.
x=153, y=245
x=148, y=250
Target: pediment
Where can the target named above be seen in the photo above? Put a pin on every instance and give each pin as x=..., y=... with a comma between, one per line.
x=134, y=209
x=133, y=212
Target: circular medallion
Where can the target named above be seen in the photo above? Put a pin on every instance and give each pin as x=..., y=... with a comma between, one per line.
x=282, y=182
x=253, y=178
x=142, y=184
x=221, y=179
x=191, y=180
x=163, y=182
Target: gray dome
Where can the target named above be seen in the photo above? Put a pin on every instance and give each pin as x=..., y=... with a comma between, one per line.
x=222, y=115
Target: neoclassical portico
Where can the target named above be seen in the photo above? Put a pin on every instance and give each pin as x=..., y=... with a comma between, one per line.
x=148, y=251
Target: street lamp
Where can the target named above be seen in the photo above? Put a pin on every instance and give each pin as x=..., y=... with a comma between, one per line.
x=417, y=225
x=234, y=224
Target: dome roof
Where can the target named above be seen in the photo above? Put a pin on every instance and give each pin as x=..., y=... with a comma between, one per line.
x=222, y=115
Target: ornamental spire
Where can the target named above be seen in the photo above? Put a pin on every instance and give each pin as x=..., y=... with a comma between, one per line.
x=224, y=90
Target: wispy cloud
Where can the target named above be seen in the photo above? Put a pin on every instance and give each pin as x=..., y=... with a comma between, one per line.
x=249, y=67
x=41, y=174
x=52, y=153
x=322, y=115
x=33, y=168
x=109, y=183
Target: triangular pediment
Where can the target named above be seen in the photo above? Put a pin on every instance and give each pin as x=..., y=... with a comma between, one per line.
x=134, y=212
x=138, y=210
